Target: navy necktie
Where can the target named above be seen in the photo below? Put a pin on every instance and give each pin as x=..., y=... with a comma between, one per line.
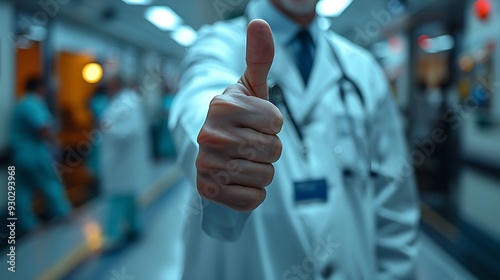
x=304, y=53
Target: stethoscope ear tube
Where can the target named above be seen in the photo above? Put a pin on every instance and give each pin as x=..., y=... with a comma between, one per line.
x=277, y=97
x=342, y=81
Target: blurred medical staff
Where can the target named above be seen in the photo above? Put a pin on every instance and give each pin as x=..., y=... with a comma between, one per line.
x=338, y=205
x=32, y=141
x=97, y=104
x=125, y=161
x=166, y=144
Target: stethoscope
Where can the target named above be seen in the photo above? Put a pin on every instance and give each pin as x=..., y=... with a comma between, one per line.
x=277, y=97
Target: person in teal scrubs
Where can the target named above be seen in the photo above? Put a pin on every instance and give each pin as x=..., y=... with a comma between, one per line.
x=166, y=143
x=97, y=105
x=31, y=140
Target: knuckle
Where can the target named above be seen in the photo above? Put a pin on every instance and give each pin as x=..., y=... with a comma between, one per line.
x=207, y=189
x=231, y=99
x=201, y=162
x=211, y=137
x=218, y=99
x=206, y=162
x=276, y=120
x=235, y=88
x=277, y=148
x=203, y=136
x=221, y=108
x=268, y=175
x=251, y=201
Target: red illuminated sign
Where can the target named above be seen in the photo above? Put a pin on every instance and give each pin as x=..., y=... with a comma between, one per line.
x=423, y=41
x=482, y=9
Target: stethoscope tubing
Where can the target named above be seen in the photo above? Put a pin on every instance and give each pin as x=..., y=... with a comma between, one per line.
x=278, y=98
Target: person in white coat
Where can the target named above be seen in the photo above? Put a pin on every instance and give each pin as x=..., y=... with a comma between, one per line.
x=124, y=161
x=340, y=201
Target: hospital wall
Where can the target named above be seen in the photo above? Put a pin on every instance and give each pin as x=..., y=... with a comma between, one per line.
x=7, y=78
x=64, y=35
x=478, y=33
x=72, y=47
x=134, y=63
x=67, y=37
x=479, y=144
x=70, y=37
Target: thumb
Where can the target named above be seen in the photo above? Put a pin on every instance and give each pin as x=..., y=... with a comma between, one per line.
x=259, y=58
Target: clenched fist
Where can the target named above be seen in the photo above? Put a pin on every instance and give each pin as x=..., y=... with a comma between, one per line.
x=238, y=142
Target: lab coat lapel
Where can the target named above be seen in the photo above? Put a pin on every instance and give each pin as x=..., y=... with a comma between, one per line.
x=324, y=74
x=285, y=73
x=323, y=78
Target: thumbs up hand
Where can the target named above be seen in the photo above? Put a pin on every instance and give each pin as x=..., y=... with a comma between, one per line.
x=238, y=142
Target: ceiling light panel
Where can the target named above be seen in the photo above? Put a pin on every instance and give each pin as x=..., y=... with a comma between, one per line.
x=163, y=17
x=332, y=8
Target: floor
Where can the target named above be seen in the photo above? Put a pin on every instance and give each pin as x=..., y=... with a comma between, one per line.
x=55, y=254
x=164, y=225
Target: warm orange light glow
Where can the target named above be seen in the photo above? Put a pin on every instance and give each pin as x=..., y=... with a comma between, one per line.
x=466, y=63
x=93, y=236
x=92, y=73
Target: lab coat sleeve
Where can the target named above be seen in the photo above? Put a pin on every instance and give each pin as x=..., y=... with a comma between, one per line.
x=396, y=203
x=212, y=64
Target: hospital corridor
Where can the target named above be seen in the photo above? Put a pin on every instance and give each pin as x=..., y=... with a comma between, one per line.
x=250, y=139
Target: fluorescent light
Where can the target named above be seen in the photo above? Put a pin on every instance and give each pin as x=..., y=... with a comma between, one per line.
x=163, y=17
x=185, y=35
x=332, y=8
x=137, y=2
x=439, y=44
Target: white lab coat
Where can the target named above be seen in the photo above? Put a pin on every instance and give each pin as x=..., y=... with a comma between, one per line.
x=125, y=150
x=366, y=230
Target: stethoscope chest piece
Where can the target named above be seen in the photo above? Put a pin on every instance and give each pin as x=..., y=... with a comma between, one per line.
x=275, y=94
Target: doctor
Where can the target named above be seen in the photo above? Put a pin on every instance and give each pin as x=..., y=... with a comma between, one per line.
x=124, y=161
x=340, y=204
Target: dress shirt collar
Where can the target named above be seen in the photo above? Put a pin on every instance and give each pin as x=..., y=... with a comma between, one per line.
x=284, y=29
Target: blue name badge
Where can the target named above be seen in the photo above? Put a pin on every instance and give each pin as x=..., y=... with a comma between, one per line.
x=311, y=191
